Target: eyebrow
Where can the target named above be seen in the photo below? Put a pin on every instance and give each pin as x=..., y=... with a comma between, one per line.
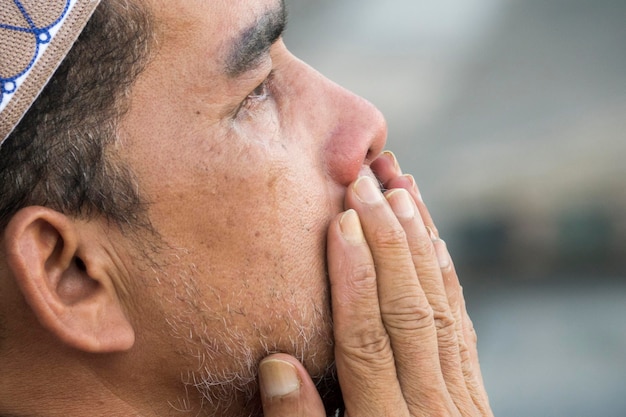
x=255, y=41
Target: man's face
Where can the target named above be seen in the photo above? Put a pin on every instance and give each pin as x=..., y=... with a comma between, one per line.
x=243, y=153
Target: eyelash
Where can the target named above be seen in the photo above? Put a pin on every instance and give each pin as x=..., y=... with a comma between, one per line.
x=255, y=97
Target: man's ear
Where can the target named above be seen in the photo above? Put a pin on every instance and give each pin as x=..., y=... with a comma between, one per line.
x=65, y=282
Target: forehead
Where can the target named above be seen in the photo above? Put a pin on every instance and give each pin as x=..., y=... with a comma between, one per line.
x=212, y=22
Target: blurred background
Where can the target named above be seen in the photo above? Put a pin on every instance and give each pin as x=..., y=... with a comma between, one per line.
x=511, y=114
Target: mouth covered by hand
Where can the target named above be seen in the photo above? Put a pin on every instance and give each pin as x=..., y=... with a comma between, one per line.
x=404, y=343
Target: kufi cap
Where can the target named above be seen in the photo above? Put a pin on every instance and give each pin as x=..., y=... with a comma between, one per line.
x=35, y=36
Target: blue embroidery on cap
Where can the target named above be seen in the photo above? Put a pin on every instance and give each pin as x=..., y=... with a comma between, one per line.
x=41, y=36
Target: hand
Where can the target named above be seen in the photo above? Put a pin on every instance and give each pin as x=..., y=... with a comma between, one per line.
x=405, y=345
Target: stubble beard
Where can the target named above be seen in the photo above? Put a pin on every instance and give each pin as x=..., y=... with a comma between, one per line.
x=223, y=378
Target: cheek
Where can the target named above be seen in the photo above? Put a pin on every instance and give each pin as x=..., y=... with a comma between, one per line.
x=276, y=240
x=249, y=231
x=245, y=208
x=258, y=250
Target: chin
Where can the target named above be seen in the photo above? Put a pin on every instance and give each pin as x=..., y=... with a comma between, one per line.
x=225, y=379
x=220, y=342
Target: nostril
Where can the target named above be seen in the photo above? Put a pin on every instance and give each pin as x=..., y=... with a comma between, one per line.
x=371, y=155
x=378, y=138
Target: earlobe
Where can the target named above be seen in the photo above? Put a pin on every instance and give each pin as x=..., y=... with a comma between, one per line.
x=63, y=279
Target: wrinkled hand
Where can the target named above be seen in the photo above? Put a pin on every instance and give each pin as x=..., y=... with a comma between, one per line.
x=405, y=345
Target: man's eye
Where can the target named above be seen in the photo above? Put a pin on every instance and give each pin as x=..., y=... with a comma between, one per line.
x=261, y=93
x=257, y=97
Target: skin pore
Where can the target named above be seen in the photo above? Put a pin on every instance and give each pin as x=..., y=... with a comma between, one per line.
x=272, y=261
x=243, y=179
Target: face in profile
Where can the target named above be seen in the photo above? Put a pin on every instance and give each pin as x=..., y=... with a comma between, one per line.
x=243, y=153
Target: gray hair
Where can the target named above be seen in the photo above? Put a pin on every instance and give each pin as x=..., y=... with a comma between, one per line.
x=60, y=155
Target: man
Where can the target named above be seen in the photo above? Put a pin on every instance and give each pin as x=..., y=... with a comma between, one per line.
x=187, y=208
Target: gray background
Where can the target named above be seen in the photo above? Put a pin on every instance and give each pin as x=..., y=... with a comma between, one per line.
x=511, y=114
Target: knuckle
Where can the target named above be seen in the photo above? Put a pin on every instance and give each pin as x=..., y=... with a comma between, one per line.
x=369, y=345
x=470, y=332
x=389, y=238
x=467, y=367
x=465, y=354
x=362, y=283
x=446, y=332
x=408, y=313
x=445, y=322
x=423, y=247
x=363, y=274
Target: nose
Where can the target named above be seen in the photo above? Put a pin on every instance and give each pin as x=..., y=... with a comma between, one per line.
x=353, y=132
x=358, y=135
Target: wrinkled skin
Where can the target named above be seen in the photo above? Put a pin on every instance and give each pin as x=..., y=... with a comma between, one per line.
x=248, y=168
x=405, y=345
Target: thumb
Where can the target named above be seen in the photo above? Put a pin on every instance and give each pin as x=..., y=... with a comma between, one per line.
x=287, y=389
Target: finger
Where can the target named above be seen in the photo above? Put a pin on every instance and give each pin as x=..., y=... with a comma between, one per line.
x=287, y=389
x=475, y=378
x=429, y=270
x=455, y=298
x=388, y=171
x=386, y=167
x=467, y=337
x=365, y=362
x=408, y=183
x=405, y=310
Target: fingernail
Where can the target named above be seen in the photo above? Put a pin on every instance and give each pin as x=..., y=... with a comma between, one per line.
x=279, y=378
x=432, y=234
x=392, y=157
x=351, y=227
x=411, y=178
x=401, y=204
x=443, y=256
x=367, y=191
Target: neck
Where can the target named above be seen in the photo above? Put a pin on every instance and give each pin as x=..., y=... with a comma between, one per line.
x=44, y=378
